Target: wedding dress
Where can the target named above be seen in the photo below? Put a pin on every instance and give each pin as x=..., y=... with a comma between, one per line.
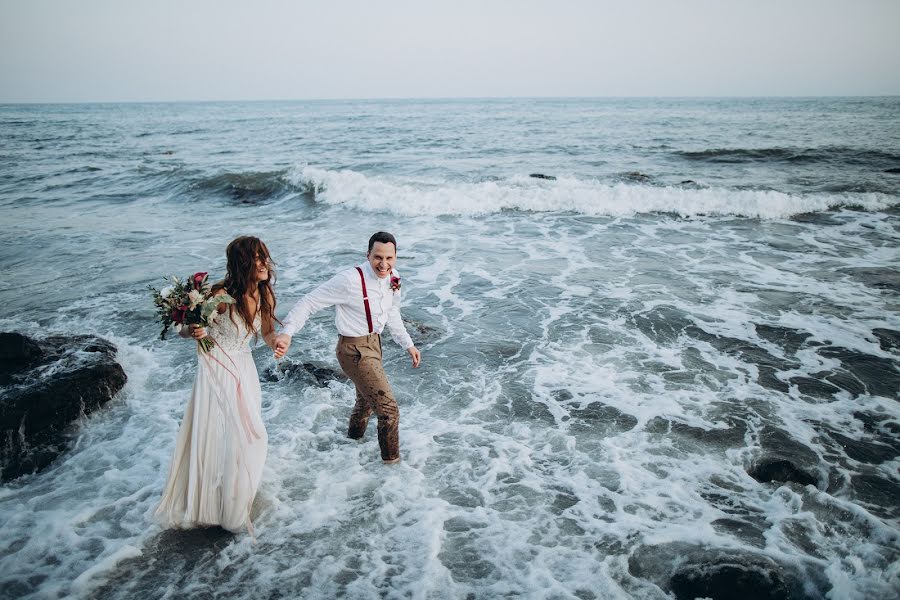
x=221, y=446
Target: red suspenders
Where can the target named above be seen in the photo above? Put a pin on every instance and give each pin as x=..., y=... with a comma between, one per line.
x=362, y=280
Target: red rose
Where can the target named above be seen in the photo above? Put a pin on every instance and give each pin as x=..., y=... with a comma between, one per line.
x=198, y=279
x=178, y=314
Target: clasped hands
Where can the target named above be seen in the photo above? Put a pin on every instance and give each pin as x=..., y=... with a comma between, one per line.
x=283, y=342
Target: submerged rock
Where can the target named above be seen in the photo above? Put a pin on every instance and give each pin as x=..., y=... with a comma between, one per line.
x=309, y=373
x=784, y=459
x=421, y=333
x=47, y=384
x=691, y=571
x=542, y=176
x=780, y=469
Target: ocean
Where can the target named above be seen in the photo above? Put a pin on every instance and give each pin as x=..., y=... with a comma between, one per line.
x=624, y=306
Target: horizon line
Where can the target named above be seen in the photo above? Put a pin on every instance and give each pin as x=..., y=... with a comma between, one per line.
x=443, y=98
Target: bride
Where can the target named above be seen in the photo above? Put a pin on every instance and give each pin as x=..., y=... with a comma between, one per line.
x=221, y=446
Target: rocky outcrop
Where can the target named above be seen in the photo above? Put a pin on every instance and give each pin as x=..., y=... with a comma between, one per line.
x=784, y=459
x=689, y=571
x=781, y=470
x=47, y=384
x=307, y=373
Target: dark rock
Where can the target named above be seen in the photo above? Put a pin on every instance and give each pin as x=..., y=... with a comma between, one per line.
x=420, y=332
x=774, y=469
x=784, y=459
x=17, y=352
x=542, y=176
x=308, y=373
x=731, y=581
x=691, y=571
x=56, y=380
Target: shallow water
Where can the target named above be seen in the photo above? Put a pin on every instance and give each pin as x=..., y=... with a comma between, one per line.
x=605, y=355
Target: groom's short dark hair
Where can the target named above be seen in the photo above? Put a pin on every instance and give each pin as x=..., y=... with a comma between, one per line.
x=384, y=237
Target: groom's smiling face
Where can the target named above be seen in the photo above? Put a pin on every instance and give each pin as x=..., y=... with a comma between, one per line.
x=382, y=257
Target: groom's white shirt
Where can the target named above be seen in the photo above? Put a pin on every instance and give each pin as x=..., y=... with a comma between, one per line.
x=344, y=292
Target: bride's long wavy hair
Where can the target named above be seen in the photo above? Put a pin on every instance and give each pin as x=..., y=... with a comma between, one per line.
x=241, y=254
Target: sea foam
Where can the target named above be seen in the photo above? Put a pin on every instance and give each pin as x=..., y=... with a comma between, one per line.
x=418, y=196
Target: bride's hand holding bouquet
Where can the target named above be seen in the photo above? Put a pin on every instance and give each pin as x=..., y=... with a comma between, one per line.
x=190, y=306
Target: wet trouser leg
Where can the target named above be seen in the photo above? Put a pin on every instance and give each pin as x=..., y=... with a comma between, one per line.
x=360, y=358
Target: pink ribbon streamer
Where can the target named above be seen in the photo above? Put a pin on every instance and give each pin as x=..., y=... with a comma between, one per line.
x=245, y=419
x=243, y=411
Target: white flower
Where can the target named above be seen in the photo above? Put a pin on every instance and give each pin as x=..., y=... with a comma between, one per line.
x=195, y=298
x=166, y=291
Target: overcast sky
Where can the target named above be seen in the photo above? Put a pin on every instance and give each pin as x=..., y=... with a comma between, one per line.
x=123, y=50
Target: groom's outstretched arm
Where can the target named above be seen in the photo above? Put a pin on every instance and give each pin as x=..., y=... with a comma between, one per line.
x=399, y=333
x=334, y=291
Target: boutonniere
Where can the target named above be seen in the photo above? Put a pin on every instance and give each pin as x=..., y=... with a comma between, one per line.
x=395, y=283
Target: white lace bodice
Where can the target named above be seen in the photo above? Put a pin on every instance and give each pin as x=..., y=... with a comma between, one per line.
x=230, y=332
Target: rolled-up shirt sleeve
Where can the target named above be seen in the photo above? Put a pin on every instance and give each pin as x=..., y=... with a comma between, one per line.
x=334, y=291
x=396, y=326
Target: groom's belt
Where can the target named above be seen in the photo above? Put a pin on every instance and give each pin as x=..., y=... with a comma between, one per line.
x=359, y=339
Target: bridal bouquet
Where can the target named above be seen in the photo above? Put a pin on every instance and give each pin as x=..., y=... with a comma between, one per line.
x=188, y=302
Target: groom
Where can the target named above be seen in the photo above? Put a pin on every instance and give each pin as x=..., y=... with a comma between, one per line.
x=366, y=298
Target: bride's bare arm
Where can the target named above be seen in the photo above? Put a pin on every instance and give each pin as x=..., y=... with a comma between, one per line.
x=268, y=331
x=268, y=327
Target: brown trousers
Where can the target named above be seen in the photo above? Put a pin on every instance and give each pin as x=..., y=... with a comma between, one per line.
x=360, y=358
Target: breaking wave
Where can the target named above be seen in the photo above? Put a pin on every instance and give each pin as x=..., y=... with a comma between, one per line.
x=590, y=197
